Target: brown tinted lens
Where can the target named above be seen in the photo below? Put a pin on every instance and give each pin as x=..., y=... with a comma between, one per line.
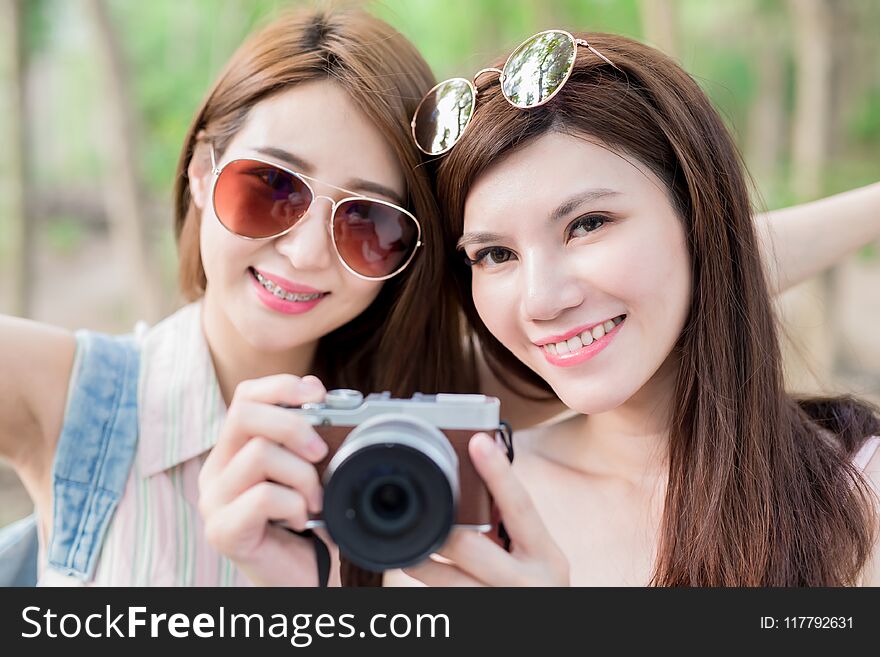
x=373, y=239
x=443, y=115
x=535, y=70
x=255, y=199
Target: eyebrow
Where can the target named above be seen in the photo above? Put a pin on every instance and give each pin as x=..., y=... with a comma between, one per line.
x=287, y=157
x=306, y=167
x=565, y=208
x=580, y=199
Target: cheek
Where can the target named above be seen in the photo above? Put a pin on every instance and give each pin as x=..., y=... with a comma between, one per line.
x=351, y=295
x=222, y=251
x=655, y=283
x=496, y=303
x=360, y=293
x=651, y=269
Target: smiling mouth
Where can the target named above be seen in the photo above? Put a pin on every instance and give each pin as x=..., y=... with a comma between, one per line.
x=583, y=339
x=280, y=292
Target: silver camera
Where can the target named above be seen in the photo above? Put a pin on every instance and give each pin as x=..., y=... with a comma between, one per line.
x=398, y=477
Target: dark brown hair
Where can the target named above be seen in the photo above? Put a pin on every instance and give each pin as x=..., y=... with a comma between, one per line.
x=761, y=489
x=410, y=338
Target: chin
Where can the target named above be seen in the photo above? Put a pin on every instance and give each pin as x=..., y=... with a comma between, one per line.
x=592, y=406
x=261, y=336
x=591, y=398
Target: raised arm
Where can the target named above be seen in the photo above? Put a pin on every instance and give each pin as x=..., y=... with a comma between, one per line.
x=35, y=365
x=801, y=241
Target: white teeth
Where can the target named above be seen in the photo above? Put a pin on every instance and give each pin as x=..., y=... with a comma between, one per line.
x=279, y=291
x=585, y=339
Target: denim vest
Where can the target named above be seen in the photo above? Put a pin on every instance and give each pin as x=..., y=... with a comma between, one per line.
x=92, y=462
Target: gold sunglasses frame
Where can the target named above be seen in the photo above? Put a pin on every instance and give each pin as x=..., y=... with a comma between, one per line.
x=334, y=205
x=472, y=84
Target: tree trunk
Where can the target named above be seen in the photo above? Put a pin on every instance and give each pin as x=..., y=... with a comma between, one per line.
x=812, y=111
x=660, y=25
x=19, y=252
x=811, y=305
x=766, y=138
x=123, y=189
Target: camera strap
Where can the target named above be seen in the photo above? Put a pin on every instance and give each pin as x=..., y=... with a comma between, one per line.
x=322, y=556
x=505, y=433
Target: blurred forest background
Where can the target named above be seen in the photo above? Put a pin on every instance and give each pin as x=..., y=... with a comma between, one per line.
x=96, y=95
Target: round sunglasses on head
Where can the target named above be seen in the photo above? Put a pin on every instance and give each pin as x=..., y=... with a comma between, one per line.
x=257, y=200
x=535, y=72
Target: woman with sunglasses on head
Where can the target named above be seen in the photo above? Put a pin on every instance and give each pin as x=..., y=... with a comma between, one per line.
x=602, y=214
x=310, y=248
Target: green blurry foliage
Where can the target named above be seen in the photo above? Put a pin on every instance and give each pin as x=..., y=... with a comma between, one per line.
x=64, y=235
x=864, y=123
x=174, y=49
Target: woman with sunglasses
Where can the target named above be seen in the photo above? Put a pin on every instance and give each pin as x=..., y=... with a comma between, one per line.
x=602, y=216
x=311, y=251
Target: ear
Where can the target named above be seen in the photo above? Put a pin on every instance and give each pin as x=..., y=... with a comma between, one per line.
x=200, y=173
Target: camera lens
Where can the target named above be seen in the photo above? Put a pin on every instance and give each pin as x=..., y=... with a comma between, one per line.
x=389, y=501
x=389, y=504
x=391, y=492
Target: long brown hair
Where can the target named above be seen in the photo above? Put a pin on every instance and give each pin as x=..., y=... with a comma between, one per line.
x=761, y=490
x=410, y=338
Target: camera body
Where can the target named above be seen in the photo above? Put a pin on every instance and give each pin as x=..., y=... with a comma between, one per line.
x=398, y=477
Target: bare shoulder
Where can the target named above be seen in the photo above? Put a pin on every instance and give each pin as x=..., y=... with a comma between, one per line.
x=36, y=363
x=871, y=575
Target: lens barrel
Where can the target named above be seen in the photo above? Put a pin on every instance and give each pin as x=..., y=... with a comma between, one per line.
x=391, y=492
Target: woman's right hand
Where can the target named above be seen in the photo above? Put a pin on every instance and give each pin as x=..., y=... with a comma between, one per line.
x=262, y=470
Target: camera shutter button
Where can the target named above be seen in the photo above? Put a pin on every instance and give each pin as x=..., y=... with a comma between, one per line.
x=343, y=399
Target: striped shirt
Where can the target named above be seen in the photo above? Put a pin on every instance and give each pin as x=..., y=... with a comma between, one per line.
x=156, y=537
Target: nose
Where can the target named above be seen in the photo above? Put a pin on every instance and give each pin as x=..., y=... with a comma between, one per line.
x=309, y=245
x=549, y=288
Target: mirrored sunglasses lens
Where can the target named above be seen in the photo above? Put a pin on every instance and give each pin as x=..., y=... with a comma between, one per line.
x=443, y=115
x=537, y=68
x=374, y=239
x=255, y=199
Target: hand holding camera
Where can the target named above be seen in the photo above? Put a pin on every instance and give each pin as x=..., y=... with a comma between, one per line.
x=387, y=479
x=262, y=472
x=534, y=558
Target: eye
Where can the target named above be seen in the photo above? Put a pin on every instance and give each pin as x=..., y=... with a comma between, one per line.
x=490, y=256
x=357, y=213
x=276, y=179
x=589, y=223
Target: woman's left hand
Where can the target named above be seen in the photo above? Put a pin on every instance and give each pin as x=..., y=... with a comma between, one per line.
x=475, y=560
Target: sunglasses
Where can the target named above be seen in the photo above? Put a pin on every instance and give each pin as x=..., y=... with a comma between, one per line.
x=259, y=200
x=534, y=73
